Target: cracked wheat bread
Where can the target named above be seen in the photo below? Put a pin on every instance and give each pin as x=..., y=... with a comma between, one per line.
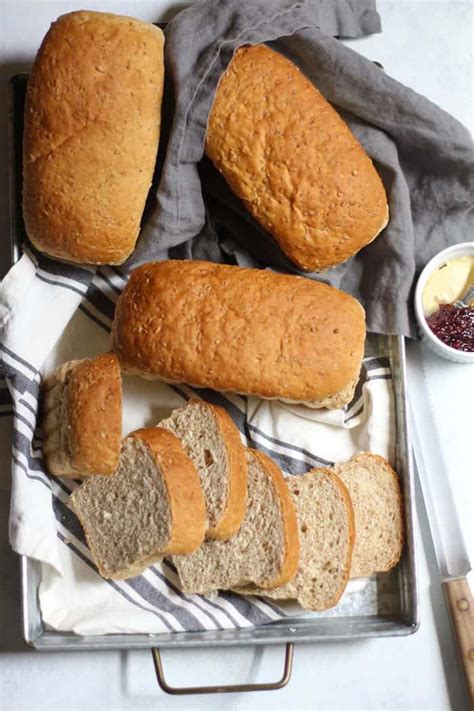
x=82, y=417
x=92, y=125
x=375, y=492
x=150, y=507
x=265, y=551
x=212, y=442
x=326, y=528
x=249, y=331
x=293, y=162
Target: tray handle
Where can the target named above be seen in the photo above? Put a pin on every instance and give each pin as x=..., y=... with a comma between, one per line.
x=182, y=690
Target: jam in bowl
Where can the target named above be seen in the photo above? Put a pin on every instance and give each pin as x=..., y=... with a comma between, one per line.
x=445, y=324
x=454, y=325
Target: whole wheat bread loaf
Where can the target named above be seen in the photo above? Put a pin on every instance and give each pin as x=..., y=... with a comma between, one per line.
x=150, y=507
x=249, y=331
x=92, y=126
x=82, y=417
x=212, y=441
x=293, y=161
x=326, y=529
x=375, y=492
x=265, y=551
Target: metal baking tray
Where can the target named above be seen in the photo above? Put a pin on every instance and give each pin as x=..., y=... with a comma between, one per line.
x=396, y=607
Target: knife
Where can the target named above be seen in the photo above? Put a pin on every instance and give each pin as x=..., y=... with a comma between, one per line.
x=450, y=549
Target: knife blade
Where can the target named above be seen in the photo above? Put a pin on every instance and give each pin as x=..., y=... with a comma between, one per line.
x=448, y=541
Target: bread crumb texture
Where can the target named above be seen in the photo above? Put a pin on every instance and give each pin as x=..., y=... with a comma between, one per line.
x=126, y=517
x=212, y=441
x=260, y=553
x=326, y=530
x=152, y=505
x=375, y=491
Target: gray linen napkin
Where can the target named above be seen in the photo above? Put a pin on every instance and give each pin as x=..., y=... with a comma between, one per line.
x=424, y=156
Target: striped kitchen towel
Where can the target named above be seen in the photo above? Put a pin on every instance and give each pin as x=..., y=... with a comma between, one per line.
x=51, y=313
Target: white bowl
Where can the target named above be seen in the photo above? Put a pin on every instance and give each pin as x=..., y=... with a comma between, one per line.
x=427, y=335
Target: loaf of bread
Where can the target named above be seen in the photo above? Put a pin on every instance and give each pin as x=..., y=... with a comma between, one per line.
x=375, y=492
x=265, y=551
x=326, y=527
x=150, y=507
x=293, y=161
x=82, y=417
x=212, y=442
x=248, y=331
x=92, y=125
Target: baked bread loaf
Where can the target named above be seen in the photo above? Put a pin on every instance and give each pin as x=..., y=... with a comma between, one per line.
x=212, y=442
x=293, y=161
x=150, y=507
x=82, y=417
x=92, y=125
x=265, y=551
x=375, y=492
x=244, y=330
x=326, y=525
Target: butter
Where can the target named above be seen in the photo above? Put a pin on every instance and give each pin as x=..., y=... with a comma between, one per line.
x=448, y=283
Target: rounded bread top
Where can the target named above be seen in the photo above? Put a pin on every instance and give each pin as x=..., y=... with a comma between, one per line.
x=248, y=331
x=293, y=161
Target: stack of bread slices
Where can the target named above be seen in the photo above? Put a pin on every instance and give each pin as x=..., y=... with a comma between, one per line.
x=226, y=515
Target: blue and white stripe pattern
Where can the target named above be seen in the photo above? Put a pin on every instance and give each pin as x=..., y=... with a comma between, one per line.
x=43, y=526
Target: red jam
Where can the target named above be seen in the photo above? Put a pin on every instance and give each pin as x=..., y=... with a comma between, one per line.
x=454, y=325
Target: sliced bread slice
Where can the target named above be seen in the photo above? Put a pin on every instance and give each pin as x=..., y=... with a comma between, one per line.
x=82, y=417
x=265, y=551
x=212, y=442
x=375, y=492
x=326, y=524
x=150, y=507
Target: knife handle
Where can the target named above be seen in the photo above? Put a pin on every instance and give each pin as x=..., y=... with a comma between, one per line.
x=461, y=607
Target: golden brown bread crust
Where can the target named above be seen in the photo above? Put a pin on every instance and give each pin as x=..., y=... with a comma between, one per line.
x=94, y=405
x=242, y=330
x=187, y=507
x=83, y=417
x=92, y=125
x=236, y=504
x=293, y=161
x=289, y=518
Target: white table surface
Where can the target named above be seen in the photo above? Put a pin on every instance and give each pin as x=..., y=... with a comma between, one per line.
x=426, y=44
